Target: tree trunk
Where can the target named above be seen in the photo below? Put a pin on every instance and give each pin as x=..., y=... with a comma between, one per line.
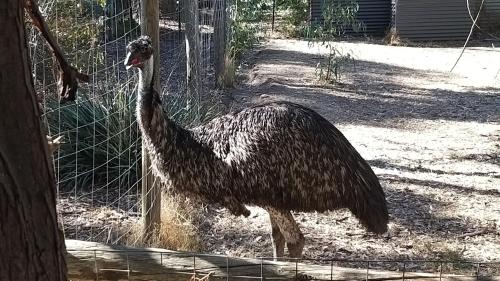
x=32, y=245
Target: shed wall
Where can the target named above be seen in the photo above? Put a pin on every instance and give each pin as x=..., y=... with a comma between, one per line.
x=374, y=14
x=432, y=19
x=489, y=19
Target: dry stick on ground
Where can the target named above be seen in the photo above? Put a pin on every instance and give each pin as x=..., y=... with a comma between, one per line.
x=204, y=278
x=475, y=233
x=470, y=33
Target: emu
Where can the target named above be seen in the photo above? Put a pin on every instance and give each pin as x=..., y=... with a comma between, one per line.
x=280, y=156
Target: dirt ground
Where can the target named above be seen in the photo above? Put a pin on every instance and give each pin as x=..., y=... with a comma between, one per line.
x=432, y=137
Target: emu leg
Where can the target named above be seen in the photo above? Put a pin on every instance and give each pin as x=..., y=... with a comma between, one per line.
x=68, y=75
x=277, y=238
x=290, y=230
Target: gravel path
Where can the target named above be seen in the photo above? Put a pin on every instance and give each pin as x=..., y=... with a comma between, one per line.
x=432, y=137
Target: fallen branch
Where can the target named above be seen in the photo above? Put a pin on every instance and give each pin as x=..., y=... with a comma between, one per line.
x=204, y=278
x=475, y=233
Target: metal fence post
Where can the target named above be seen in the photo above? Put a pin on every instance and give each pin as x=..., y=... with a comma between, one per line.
x=96, y=268
x=331, y=271
x=261, y=269
x=194, y=267
x=477, y=271
x=296, y=269
x=404, y=270
x=367, y=270
x=440, y=271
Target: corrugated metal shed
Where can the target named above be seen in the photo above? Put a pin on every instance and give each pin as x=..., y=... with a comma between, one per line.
x=489, y=20
x=433, y=19
x=374, y=14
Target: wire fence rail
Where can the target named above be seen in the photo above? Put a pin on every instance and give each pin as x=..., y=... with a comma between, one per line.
x=102, y=262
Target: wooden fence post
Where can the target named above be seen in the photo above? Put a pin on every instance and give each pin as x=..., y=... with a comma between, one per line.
x=193, y=55
x=219, y=40
x=151, y=195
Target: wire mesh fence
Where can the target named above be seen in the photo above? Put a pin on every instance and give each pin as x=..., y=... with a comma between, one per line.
x=98, y=166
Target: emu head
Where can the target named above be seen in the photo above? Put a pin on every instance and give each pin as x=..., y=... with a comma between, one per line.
x=139, y=52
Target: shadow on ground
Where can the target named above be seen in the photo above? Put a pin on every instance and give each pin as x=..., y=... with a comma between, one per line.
x=384, y=96
x=376, y=94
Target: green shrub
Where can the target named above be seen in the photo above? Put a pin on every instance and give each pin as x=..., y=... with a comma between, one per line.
x=78, y=26
x=102, y=143
x=295, y=16
x=339, y=16
x=243, y=37
x=247, y=16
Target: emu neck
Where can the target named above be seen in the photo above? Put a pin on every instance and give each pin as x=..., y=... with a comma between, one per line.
x=146, y=81
x=181, y=160
x=148, y=100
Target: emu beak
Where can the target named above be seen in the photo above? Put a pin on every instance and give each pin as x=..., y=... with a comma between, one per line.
x=130, y=61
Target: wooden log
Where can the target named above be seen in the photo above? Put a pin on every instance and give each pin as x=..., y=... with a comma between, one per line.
x=96, y=261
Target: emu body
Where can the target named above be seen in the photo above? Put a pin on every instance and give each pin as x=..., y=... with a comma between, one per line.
x=280, y=156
